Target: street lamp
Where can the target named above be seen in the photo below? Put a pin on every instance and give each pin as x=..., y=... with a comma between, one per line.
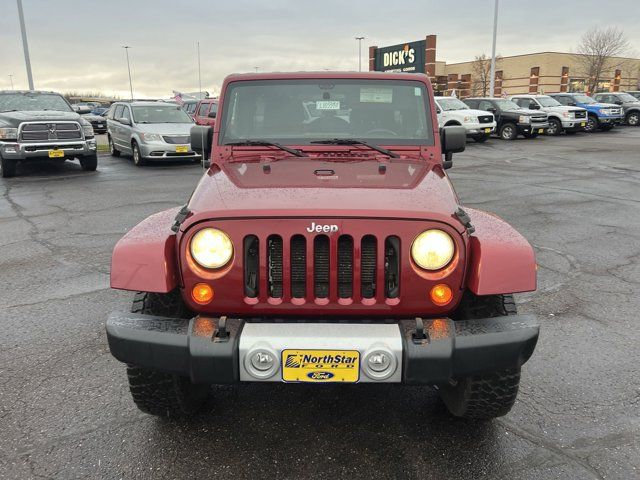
x=126, y=49
x=359, y=39
x=25, y=45
x=256, y=69
x=492, y=80
x=11, y=78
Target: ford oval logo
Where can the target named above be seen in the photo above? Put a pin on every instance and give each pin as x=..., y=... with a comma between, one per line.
x=320, y=375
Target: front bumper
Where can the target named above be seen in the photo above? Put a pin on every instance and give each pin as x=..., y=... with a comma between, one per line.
x=606, y=120
x=23, y=151
x=165, y=151
x=474, y=129
x=211, y=350
x=532, y=127
x=574, y=124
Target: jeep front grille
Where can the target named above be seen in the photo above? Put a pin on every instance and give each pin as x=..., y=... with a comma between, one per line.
x=319, y=265
x=47, y=132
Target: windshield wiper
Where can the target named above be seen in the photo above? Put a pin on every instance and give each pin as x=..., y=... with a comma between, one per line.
x=264, y=143
x=353, y=141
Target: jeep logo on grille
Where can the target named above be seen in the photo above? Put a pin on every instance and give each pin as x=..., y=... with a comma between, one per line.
x=322, y=228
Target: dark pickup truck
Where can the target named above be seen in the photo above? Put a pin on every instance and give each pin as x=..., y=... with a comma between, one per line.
x=630, y=105
x=42, y=125
x=511, y=119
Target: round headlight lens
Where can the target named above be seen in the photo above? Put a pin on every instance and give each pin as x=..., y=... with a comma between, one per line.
x=433, y=249
x=211, y=248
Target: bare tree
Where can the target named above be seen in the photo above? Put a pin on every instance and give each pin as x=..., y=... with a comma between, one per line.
x=481, y=76
x=597, y=54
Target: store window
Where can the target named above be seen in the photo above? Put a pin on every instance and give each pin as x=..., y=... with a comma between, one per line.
x=577, y=85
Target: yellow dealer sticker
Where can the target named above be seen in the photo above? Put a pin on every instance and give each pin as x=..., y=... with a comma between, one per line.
x=56, y=153
x=182, y=149
x=321, y=366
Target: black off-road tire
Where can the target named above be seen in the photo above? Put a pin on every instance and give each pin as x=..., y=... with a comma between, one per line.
x=555, y=127
x=7, y=167
x=159, y=393
x=487, y=395
x=89, y=163
x=508, y=131
x=112, y=148
x=633, y=119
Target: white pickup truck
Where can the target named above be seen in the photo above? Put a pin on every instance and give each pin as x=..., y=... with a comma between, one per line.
x=478, y=123
x=561, y=118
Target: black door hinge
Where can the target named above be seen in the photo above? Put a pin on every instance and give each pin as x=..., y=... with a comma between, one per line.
x=465, y=220
x=182, y=214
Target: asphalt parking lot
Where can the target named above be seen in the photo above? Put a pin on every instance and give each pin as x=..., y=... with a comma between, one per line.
x=65, y=410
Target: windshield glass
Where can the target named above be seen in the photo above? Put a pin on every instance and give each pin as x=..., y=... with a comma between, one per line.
x=33, y=101
x=625, y=97
x=302, y=111
x=449, y=104
x=506, y=105
x=583, y=99
x=548, y=102
x=160, y=114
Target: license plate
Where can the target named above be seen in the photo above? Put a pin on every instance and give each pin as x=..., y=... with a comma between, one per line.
x=541, y=130
x=583, y=124
x=182, y=149
x=487, y=130
x=321, y=366
x=56, y=153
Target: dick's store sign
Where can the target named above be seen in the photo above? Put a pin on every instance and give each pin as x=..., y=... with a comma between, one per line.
x=406, y=57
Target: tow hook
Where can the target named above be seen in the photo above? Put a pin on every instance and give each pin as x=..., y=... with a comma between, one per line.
x=420, y=335
x=222, y=334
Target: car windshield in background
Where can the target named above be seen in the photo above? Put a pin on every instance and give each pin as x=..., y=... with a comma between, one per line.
x=160, y=114
x=548, y=102
x=584, y=99
x=449, y=104
x=507, y=105
x=303, y=111
x=625, y=97
x=33, y=102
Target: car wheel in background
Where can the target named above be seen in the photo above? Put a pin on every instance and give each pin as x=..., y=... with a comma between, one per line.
x=633, y=119
x=138, y=161
x=508, y=131
x=592, y=124
x=112, y=148
x=481, y=138
x=7, y=167
x=89, y=163
x=555, y=127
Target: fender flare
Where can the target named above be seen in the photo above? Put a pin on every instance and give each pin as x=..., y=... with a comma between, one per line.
x=501, y=260
x=144, y=259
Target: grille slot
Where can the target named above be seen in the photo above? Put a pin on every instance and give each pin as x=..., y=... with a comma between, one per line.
x=176, y=139
x=392, y=267
x=321, y=266
x=274, y=266
x=298, y=266
x=345, y=266
x=485, y=119
x=251, y=266
x=368, y=266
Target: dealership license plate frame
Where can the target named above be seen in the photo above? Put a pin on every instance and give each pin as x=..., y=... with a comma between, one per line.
x=56, y=153
x=182, y=149
x=317, y=372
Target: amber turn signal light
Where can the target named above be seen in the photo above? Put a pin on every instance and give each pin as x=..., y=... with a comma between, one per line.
x=441, y=294
x=202, y=293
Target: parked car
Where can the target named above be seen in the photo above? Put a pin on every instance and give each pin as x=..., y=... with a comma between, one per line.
x=150, y=131
x=98, y=122
x=452, y=111
x=561, y=118
x=189, y=106
x=634, y=93
x=82, y=108
x=37, y=125
x=99, y=110
x=206, y=111
x=510, y=118
x=329, y=251
x=603, y=116
x=630, y=105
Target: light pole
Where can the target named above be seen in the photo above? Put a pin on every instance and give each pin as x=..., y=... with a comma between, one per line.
x=11, y=78
x=359, y=39
x=126, y=49
x=256, y=69
x=25, y=45
x=492, y=80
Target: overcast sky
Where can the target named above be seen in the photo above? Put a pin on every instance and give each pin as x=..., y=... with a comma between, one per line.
x=76, y=44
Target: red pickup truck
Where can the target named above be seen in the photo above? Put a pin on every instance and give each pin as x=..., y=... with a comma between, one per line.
x=206, y=112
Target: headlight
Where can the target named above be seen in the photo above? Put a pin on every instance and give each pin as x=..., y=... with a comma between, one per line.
x=8, y=133
x=432, y=250
x=523, y=119
x=469, y=119
x=150, y=137
x=211, y=248
x=566, y=114
x=88, y=130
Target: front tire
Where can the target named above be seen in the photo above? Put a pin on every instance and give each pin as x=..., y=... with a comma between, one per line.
x=555, y=127
x=138, y=161
x=7, y=167
x=89, y=163
x=159, y=393
x=486, y=395
x=592, y=124
x=633, y=119
x=112, y=148
x=508, y=131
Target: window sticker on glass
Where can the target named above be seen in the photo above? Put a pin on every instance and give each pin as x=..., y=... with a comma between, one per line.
x=417, y=91
x=328, y=105
x=376, y=95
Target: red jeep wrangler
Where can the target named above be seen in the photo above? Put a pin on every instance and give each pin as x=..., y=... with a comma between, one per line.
x=325, y=243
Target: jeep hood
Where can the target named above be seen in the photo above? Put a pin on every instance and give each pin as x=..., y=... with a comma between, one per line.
x=14, y=119
x=319, y=188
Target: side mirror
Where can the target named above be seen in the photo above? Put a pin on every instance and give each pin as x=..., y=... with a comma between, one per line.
x=438, y=111
x=492, y=109
x=572, y=104
x=618, y=102
x=202, y=141
x=124, y=121
x=453, y=139
x=534, y=106
x=212, y=115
